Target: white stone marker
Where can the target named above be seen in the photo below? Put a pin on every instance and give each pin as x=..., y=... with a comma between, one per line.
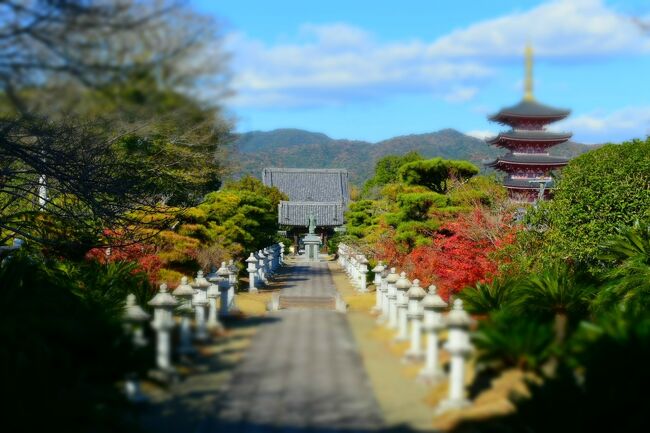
x=402, y=285
x=433, y=306
x=459, y=347
x=200, y=301
x=391, y=295
x=261, y=267
x=378, y=281
x=185, y=292
x=224, y=286
x=252, y=271
x=363, y=275
x=415, y=295
x=163, y=304
x=135, y=317
x=213, y=320
x=281, y=253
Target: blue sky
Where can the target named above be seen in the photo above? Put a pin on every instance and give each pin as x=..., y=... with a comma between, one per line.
x=371, y=70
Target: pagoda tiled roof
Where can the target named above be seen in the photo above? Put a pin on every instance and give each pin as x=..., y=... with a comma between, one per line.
x=530, y=135
x=309, y=185
x=525, y=183
x=540, y=159
x=530, y=109
x=296, y=213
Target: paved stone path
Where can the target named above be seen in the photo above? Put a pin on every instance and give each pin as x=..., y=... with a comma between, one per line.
x=302, y=372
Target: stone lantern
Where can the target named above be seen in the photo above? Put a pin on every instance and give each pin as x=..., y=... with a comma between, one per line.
x=268, y=252
x=135, y=318
x=414, y=315
x=459, y=348
x=281, y=262
x=402, y=285
x=163, y=304
x=223, y=275
x=391, y=295
x=363, y=274
x=252, y=270
x=213, y=321
x=232, y=282
x=377, y=270
x=185, y=292
x=383, y=288
x=433, y=306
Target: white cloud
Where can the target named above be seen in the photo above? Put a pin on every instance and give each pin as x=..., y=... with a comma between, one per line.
x=337, y=63
x=481, y=135
x=557, y=29
x=618, y=125
x=461, y=94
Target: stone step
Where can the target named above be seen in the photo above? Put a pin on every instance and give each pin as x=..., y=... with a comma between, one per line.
x=312, y=302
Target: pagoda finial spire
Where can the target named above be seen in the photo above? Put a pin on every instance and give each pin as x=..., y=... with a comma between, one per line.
x=528, y=86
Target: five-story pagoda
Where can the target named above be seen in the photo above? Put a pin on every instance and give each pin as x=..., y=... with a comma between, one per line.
x=528, y=164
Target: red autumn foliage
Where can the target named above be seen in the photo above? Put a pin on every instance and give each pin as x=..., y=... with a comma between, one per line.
x=142, y=254
x=462, y=252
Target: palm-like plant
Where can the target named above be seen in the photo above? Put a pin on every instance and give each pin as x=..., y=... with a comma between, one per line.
x=628, y=281
x=558, y=291
x=484, y=298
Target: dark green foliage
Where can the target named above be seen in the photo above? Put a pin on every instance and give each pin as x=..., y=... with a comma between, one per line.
x=435, y=173
x=415, y=206
x=63, y=348
x=597, y=193
x=387, y=168
x=360, y=218
x=508, y=340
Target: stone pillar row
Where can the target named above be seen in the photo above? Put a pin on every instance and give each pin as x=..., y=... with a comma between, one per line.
x=416, y=316
x=194, y=308
x=355, y=266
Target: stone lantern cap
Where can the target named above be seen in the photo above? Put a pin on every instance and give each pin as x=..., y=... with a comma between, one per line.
x=392, y=277
x=261, y=254
x=133, y=312
x=163, y=298
x=200, y=281
x=363, y=260
x=223, y=270
x=432, y=300
x=251, y=259
x=402, y=283
x=183, y=290
x=232, y=267
x=379, y=268
x=416, y=292
x=458, y=317
x=213, y=291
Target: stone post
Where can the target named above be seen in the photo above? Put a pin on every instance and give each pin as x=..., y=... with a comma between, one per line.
x=281, y=253
x=402, y=286
x=261, y=267
x=459, y=348
x=377, y=270
x=135, y=318
x=200, y=301
x=392, y=298
x=213, y=320
x=433, y=306
x=363, y=275
x=163, y=304
x=415, y=295
x=252, y=271
x=224, y=286
x=185, y=292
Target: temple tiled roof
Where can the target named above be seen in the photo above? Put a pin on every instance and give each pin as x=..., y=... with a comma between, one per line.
x=529, y=109
x=296, y=213
x=309, y=185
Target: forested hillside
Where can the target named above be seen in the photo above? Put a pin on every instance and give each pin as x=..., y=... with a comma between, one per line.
x=298, y=148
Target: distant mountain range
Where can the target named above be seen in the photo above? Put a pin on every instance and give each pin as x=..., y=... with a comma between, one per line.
x=303, y=149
